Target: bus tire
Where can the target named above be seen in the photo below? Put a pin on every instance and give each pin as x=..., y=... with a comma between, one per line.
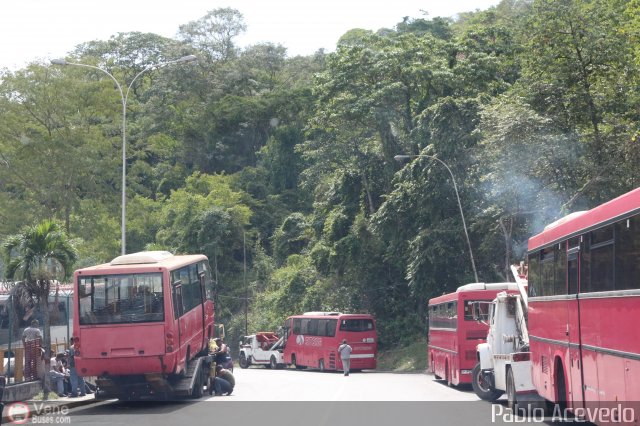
x=294, y=361
x=196, y=392
x=512, y=397
x=273, y=363
x=244, y=362
x=480, y=386
x=321, y=365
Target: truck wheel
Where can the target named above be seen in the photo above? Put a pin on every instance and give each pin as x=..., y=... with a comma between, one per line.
x=273, y=363
x=244, y=363
x=481, y=387
x=512, y=398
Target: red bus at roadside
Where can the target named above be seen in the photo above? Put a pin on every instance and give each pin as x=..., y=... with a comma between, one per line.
x=143, y=323
x=454, y=333
x=584, y=305
x=312, y=340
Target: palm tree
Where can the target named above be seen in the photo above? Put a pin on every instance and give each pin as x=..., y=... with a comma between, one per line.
x=36, y=257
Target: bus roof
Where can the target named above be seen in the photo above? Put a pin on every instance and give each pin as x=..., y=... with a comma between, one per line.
x=473, y=287
x=330, y=314
x=487, y=286
x=579, y=222
x=144, y=260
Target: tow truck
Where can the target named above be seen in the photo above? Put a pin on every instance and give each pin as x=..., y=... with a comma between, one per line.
x=504, y=361
x=263, y=348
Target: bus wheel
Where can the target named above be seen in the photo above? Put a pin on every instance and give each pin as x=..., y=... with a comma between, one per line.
x=512, y=398
x=482, y=387
x=273, y=363
x=433, y=369
x=321, y=365
x=294, y=361
x=244, y=363
x=196, y=393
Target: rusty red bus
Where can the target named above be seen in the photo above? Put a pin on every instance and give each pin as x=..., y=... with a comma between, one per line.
x=142, y=320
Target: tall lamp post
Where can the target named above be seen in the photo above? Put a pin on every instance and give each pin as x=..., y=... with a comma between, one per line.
x=455, y=187
x=124, y=96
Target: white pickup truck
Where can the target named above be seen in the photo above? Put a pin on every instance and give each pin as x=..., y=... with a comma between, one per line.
x=264, y=348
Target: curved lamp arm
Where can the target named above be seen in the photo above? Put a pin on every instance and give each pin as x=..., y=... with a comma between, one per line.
x=455, y=187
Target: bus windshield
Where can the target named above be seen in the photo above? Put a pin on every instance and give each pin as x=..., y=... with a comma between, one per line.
x=112, y=299
x=362, y=324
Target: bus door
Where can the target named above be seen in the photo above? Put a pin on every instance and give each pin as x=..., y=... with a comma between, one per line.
x=574, y=362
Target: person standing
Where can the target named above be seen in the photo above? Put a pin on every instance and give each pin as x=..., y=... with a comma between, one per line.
x=32, y=342
x=345, y=355
x=77, y=381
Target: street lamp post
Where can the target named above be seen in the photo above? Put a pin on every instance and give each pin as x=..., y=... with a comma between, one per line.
x=124, y=97
x=455, y=187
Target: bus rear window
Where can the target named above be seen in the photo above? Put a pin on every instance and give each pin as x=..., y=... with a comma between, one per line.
x=113, y=299
x=356, y=325
x=482, y=312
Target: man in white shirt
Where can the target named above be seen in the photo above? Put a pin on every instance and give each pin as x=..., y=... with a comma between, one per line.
x=345, y=355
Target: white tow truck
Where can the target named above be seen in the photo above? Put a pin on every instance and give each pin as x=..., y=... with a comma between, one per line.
x=264, y=348
x=504, y=361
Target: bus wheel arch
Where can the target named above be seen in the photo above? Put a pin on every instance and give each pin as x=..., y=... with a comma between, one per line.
x=561, y=384
x=447, y=372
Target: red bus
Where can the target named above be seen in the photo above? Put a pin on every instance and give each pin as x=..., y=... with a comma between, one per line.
x=453, y=332
x=142, y=319
x=312, y=340
x=584, y=309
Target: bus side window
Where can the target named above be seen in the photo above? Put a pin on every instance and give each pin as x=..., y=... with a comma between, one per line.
x=296, y=325
x=331, y=327
x=178, y=309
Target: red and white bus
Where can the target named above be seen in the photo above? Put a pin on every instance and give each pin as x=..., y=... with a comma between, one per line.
x=454, y=333
x=584, y=309
x=142, y=319
x=312, y=340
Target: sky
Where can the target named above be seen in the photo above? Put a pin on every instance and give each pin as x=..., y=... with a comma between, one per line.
x=41, y=30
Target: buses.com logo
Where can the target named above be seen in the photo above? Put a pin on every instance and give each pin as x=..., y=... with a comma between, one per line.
x=18, y=413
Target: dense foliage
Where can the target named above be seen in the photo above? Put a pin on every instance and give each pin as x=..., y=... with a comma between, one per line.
x=281, y=169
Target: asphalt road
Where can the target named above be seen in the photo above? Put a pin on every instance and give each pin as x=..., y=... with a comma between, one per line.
x=290, y=397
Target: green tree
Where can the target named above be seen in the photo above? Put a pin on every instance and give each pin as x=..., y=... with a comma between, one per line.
x=37, y=256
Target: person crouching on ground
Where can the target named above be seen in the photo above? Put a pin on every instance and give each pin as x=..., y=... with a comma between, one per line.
x=227, y=375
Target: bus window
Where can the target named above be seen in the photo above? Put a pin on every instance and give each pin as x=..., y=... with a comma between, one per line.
x=178, y=309
x=128, y=298
x=356, y=325
x=297, y=326
x=331, y=327
x=602, y=259
x=627, y=253
x=482, y=310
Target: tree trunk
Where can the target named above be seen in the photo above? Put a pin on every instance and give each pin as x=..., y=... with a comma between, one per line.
x=46, y=386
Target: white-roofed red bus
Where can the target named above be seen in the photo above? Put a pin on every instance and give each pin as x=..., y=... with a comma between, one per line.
x=143, y=322
x=312, y=340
